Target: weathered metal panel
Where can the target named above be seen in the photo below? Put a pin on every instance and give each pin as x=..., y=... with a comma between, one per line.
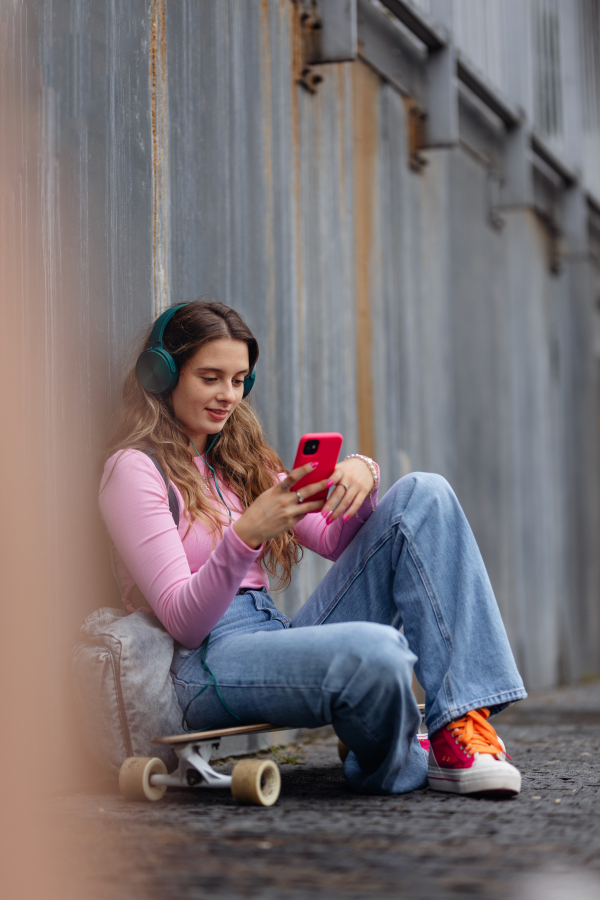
x=478, y=32
x=538, y=534
x=261, y=208
x=169, y=151
x=390, y=51
x=589, y=59
x=464, y=322
x=548, y=101
x=338, y=32
x=411, y=402
x=327, y=371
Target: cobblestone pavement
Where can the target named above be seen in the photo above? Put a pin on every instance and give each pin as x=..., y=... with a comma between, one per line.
x=322, y=839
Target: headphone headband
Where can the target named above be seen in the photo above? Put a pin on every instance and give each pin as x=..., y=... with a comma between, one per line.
x=158, y=329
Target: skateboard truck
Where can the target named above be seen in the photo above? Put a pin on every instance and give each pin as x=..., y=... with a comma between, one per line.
x=194, y=768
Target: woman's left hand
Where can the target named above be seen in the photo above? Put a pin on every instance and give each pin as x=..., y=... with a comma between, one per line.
x=354, y=483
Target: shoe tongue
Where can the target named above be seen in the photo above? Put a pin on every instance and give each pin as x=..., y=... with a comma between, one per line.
x=483, y=732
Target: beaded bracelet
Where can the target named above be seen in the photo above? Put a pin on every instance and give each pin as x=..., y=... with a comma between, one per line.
x=370, y=463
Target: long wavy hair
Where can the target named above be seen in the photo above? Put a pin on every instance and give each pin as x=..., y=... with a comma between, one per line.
x=241, y=455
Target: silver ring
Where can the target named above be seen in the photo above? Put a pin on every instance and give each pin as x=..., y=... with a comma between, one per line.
x=341, y=484
x=300, y=500
x=284, y=486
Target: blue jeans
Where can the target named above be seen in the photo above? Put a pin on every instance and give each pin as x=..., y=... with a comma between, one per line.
x=414, y=563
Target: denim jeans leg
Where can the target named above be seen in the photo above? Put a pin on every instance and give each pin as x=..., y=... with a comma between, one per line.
x=416, y=563
x=353, y=675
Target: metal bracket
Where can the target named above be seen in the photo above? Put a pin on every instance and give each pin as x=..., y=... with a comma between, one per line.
x=442, y=100
x=310, y=29
x=194, y=769
x=336, y=37
x=416, y=118
x=517, y=185
x=494, y=187
x=329, y=34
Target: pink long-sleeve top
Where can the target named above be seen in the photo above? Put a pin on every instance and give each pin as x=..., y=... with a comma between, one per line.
x=188, y=575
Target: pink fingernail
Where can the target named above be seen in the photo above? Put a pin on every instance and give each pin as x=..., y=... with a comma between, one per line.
x=329, y=483
x=330, y=519
x=325, y=513
x=314, y=465
x=345, y=518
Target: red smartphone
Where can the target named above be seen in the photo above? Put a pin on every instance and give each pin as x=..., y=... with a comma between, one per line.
x=323, y=448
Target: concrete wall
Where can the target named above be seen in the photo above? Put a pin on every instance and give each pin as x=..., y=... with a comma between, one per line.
x=163, y=150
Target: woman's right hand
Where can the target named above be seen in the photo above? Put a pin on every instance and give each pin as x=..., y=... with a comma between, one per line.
x=279, y=509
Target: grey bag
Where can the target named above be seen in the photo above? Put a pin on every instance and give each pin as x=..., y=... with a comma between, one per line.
x=123, y=687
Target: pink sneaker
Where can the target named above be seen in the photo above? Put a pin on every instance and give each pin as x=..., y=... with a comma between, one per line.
x=467, y=757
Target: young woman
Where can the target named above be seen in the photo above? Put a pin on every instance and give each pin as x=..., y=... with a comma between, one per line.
x=410, y=560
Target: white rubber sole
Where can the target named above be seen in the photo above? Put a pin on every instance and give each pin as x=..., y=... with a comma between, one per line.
x=500, y=778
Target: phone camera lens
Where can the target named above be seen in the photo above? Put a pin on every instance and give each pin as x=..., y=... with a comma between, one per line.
x=311, y=447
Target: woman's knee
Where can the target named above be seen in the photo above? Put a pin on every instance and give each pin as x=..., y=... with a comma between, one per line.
x=424, y=488
x=427, y=482
x=373, y=655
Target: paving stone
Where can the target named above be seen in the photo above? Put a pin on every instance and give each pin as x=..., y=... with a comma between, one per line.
x=322, y=838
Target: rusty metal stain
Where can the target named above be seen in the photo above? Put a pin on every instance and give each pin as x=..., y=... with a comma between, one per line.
x=342, y=74
x=160, y=145
x=296, y=62
x=269, y=198
x=366, y=86
x=416, y=118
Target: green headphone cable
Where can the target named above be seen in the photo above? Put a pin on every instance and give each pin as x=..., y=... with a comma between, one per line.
x=208, y=465
x=212, y=681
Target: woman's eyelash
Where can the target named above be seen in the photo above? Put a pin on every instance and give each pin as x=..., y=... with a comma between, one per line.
x=209, y=380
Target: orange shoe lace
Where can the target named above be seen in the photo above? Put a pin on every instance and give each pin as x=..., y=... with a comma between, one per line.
x=476, y=734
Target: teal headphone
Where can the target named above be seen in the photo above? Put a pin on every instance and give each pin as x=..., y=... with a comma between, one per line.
x=156, y=369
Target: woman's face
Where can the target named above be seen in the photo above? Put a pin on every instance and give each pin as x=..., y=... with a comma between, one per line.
x=210, y=386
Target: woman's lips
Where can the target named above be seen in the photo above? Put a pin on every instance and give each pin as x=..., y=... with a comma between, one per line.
x=218, y=414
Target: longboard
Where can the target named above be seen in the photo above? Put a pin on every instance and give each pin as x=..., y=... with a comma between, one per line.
x=252, y=781
x=218, y=733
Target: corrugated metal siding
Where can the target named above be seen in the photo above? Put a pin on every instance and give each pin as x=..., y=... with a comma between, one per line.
x=548, y=102
x=387, y=304
x=460, y=326
x=589, y=40
x=261, y=188
x=478, y=31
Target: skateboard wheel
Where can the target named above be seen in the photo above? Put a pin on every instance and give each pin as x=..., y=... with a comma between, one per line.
x=256, y=781
x=343, y=751
x=134, y=778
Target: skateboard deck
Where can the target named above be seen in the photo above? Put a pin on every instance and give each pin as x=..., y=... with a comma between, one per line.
x=197, y=736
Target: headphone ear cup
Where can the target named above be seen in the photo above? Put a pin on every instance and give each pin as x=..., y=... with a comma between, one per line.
x=157, y=370
x=249, y=382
